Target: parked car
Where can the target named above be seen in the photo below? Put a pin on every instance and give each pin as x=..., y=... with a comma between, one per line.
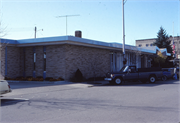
x=4, y=87
x=130, y=73
x=167, y=73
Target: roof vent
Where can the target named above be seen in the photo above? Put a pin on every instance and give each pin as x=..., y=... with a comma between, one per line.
x=78, y=34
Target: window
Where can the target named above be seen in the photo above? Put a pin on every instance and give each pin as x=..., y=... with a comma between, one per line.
x=151, y=44
x=24, y=61
x=147, y=45
x=115, y=64
x=113, y=56
x=44, y=58
x=132, y=58
x=140, y=45
x=34, y=50
x=34, y=61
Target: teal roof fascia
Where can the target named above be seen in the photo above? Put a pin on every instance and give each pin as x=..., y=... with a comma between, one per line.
x=40, y=40
x=8, y=41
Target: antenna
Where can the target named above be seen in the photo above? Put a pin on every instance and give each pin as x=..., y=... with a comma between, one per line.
x=66, y=19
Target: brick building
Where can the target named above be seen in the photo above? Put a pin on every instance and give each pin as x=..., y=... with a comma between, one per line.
x=62, y=56
x=149, y=42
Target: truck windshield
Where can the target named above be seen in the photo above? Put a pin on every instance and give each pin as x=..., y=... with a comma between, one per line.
x=123, y=69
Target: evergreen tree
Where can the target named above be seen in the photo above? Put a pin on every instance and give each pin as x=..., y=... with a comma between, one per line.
x=163, y=41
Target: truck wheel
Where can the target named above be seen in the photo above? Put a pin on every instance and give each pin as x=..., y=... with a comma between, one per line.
x=118, y=81
x=152, y=79
x=164, y=78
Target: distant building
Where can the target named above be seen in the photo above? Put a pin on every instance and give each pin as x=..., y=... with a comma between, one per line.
x=149, y=42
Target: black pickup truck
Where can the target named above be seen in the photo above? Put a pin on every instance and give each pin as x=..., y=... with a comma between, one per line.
x=130, y=73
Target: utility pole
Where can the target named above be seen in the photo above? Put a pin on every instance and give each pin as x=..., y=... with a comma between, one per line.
x=124, y=54
x=36, y=31
x=66, y=19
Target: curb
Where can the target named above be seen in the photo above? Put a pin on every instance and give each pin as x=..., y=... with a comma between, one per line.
x=38, y=82
x=90, y=84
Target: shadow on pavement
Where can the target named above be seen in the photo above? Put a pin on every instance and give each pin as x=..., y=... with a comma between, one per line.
x=6, y=102
x=20, y=85
x=157, y=83
x=91, y=84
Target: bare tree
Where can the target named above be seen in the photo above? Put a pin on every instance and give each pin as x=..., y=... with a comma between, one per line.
x=3, y=45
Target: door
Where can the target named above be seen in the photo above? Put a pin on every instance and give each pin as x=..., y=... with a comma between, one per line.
x=132, y=74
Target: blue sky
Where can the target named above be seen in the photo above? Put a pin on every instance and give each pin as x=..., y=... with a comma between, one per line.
x=99, y=19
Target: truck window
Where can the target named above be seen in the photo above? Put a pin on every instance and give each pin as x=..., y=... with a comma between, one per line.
x=133, y=70
x=123, y=69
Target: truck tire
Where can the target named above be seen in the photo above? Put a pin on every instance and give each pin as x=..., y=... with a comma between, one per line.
x=164, y=78
x=152, y=79
x=118, y=81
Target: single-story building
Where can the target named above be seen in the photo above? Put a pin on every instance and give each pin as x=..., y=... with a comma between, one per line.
x=62, y=56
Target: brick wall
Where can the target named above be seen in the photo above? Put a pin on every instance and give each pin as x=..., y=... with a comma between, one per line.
x=55, y=61
x=39, y=61
x=90, y=61
x=2, y=63
x=64, y=60
x=13, y=61
x=61, y=61
x=21, y=62
x=29, y=59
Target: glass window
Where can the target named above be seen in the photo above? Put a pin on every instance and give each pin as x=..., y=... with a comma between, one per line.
x=44, y=61
x=34, y=61
x=44, y=49
x=147, y=45
x=140, y=45
x=34, y=55
x=24, y=53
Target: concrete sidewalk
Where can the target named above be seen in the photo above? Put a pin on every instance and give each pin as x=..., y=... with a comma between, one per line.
x=90, y=83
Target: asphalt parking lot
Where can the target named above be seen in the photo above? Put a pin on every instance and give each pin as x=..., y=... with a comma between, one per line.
x=92, y=102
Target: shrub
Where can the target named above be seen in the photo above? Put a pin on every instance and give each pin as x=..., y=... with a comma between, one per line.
x=19, y=78
x=78, y=77
x=52, y=79
x=38, y=78
x=41, y=79
x=48, y=78
x=29, y=79
x=60, y=79
x=7, y=78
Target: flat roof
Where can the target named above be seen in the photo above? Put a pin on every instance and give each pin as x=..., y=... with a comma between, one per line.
x=146, y=39
x=75, y=41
